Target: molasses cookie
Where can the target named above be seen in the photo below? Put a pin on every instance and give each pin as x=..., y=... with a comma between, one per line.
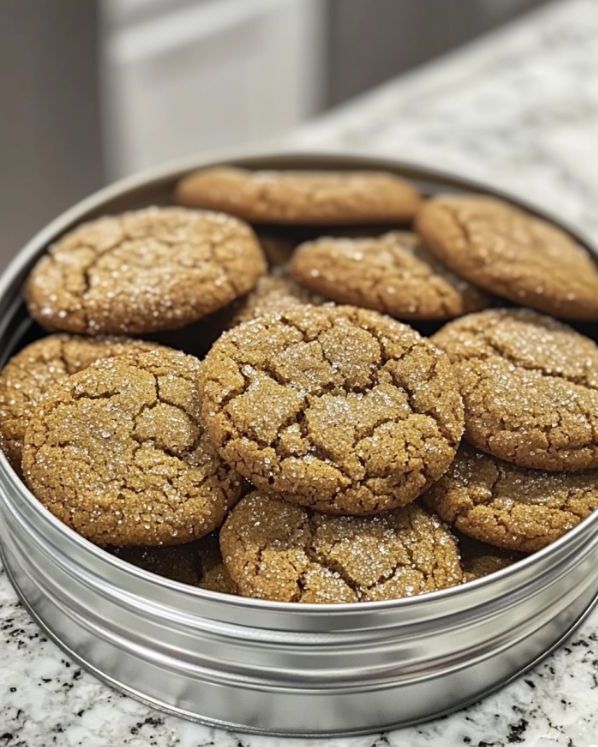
x=529, y=386
x=31, y=372
x=337, y=408
x=144, y=271
x=393, y=273
x=196, y=563
x=301, y=197
x=117, y=453
x=480, y=559
x=275, y=550
x=272, y=294
x=512, y=254
x=510, y=507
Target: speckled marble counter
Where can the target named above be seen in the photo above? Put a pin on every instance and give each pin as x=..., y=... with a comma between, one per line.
x=518, y=109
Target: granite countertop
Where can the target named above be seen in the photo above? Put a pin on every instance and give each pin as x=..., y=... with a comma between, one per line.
x=520, y=110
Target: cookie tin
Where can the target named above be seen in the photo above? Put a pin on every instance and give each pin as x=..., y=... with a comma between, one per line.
x=269, y=667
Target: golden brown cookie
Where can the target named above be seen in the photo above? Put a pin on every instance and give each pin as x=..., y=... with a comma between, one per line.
x=510, y=507
x=275, y=550
x=337, y=408
x=529, y=385
x=116, y=451
x=143, y=271
x=480, y=559
x=512, y=254
x=196, y=563
x=273, y=293
x=31, y=372
x=393, y=273
x=301, y=197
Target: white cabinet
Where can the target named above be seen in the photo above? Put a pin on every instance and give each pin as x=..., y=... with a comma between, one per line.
x=183, y=78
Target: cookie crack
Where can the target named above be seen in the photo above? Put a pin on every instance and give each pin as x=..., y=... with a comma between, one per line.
x=513, y=360
x=547, y=430
x=331, y=566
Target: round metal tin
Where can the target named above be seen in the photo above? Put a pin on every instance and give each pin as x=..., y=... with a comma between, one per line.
x=272, y=667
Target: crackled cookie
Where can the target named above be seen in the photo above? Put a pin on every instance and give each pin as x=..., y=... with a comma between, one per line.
x=507, y=506
x=276, y=550
x=143, y=271
x=117, y=453
x=480, y=559
x=512, y=254
x=273, y=293
x=393, y=273
x=31, y=372
x=195, y=563
x=337, y=408
x=301, y=197
x=529, y=386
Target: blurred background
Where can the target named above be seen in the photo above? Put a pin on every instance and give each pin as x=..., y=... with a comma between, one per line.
x=95, y=90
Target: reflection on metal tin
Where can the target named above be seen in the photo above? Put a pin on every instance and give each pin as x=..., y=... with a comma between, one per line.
x=266, y=666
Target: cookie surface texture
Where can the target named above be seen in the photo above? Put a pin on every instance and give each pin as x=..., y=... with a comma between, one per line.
x=33, y=370
x=143, y=271
x=273, y=293
x=117, y=453
x=393, y=273
x=275, y=550
x=301, y=197
x=529, y=386
x=511, y=507
x=337, y=408
x=512, y=254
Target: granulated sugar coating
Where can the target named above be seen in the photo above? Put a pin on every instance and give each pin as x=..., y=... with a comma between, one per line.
x=273, y=293
x=117, y=453
x=510, y=507
x=512, y=254
x=27, y=377
x=196, y=563
x=393, y=273
x=274, y=550
x=337, y=408
x=480, y=559
x=529, y=385
x=301, y=197
x=154, y=269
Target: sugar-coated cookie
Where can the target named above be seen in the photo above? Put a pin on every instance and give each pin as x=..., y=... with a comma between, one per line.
x=393, y=273
x=511, y=507
x=117, y=452
x=144, y=271
x=275, y=550
x=301, y=197
x=33, y=370
x=512, y=254
x=337, y=408
x=529, y=386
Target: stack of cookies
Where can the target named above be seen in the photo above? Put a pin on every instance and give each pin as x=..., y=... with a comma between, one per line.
x=323, y=450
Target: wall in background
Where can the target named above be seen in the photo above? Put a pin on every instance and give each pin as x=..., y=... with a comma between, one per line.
x=50, y=152
x=190, y=77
